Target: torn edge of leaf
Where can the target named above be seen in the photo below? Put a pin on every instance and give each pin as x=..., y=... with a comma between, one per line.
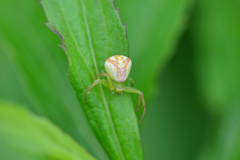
x=63, y=46
x=125, y=26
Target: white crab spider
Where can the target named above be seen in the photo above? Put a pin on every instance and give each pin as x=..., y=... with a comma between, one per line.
x=118, y=68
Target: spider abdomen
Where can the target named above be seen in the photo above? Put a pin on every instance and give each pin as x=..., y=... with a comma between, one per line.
x=118, y=67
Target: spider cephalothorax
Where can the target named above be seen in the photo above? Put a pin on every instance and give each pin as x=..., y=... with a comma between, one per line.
x=118, y=68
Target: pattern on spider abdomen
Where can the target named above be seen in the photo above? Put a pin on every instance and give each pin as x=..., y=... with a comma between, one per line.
x=118, y=67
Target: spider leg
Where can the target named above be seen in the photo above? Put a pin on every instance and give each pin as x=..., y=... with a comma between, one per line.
x=133, y=82
x=104, y=82
x=141, y=97
x=108, y=78
x=139, y=101
x=100, y=74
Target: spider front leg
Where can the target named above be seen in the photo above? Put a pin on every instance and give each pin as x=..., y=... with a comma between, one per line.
x=104, y=82
x=110, y=83
x=141, y=97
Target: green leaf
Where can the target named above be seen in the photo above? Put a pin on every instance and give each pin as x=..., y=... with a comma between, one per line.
x=217, y=56
x=35, y=71
x=225, y=142
x=91, y=32
x=26, y=136
x=216, y=37
x=182, y=120
x=154, y=29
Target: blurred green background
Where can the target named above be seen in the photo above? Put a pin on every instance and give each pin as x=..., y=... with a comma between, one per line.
x=186, y=60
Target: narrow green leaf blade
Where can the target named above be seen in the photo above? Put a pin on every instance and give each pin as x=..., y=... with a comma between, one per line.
x=216, y=37
x=226, y=141
x=34, y=71
x=217, y=56
x=25, y=136
x=91, y=32
x=154, y=29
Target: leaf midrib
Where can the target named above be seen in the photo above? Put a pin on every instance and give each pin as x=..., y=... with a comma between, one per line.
x=96, y=68
x=101, y=89
x=76, y=46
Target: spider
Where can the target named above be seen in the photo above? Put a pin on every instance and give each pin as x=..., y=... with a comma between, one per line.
x=118, y=68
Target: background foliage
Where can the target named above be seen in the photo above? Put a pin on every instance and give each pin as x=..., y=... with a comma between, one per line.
x=186, y=60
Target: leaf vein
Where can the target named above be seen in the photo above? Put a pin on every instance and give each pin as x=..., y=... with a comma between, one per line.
x=70, y=30
x=101, y=89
